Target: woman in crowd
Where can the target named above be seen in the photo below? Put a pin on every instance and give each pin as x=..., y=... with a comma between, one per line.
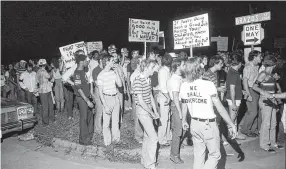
x=58, y=85
x=146, y=112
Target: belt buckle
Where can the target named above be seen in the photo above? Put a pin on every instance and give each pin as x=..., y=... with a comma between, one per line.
x=207, y=121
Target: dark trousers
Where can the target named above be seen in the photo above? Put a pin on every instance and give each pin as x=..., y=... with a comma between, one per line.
x=22, y=95
x=177, y=131
x=68, y=94
x=32, y=99
x=86, y=127
x=48, y=108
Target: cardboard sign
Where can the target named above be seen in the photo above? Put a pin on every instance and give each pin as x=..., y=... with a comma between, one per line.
x=68, y=51
x=222, y=43
x=279, y=43
x=143, y=30
x=252, y=34
x=92, y=46
x=193, y=31
x=259, y=17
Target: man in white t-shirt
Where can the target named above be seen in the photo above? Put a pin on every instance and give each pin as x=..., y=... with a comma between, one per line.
x=198, y=96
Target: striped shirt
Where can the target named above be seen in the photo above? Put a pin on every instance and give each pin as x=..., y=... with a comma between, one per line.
x=142, y=85
x=107, y=79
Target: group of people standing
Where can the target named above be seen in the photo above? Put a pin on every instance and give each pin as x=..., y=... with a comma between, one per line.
x=161, y=90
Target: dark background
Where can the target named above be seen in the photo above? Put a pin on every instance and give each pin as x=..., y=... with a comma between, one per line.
x=38, y=29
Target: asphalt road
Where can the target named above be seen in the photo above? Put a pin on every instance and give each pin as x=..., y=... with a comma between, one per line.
x=30, y=155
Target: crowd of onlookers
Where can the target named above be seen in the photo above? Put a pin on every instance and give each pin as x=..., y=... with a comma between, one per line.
x=113, y=82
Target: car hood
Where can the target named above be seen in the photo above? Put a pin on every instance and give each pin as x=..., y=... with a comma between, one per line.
x=11, y=103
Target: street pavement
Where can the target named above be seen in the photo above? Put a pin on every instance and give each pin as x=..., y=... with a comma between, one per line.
x=30, y=155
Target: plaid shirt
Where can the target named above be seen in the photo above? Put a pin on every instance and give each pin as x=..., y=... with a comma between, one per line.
x=45, y=85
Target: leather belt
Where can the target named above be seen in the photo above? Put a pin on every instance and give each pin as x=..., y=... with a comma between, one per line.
x=204, y=120
x=110, y=94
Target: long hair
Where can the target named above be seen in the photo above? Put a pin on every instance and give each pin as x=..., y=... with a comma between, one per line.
x=193, y=69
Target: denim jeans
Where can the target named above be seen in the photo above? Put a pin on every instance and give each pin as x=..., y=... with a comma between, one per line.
x=177, y=131
x=205, y=137
x=85, y=122
x=32, y=99
x=59, y=94
x=164, y=131
x=150, y=140
x=252, y=120
x=48, y=107
x=268, y=125
x=138, y=131
x=68, y=93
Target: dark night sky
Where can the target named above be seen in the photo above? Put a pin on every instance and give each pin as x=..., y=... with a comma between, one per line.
x=38, y=29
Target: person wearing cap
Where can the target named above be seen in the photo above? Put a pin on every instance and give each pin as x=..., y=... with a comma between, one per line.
x=250, y=125
x=267, y=85
x=82, y=92
x=45, y=88
x=107, y=81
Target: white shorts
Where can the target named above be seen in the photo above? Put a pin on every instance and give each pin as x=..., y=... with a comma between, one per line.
x=237, y=102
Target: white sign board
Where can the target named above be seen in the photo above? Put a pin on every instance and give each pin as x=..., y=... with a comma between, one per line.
x=68, y=51
x=253, y=18
x=92, y=46
x=252, y=34
x=279, y=43
x=222, y=43
x=191, y=32
x=143, y=30
x=248, y=50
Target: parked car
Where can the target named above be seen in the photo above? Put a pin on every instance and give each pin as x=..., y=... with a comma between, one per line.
x=16, y=116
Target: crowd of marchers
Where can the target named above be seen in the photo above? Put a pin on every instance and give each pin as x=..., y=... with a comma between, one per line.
x=172, y=97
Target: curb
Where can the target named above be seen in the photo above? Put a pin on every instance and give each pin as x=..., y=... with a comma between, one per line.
x=99, y=151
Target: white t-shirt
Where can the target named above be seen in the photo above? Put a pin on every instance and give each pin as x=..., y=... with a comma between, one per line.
x=174, y=84
x=197, y=95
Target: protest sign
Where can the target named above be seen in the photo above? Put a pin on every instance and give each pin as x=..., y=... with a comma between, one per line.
x=92, y=46
x=191, y=32
x=143, y=30
x=222, y=43
x=68, y=51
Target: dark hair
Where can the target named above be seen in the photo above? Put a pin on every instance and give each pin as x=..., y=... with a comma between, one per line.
x=183, y=56
x=105, y=58
x=135, y=62
x=94, y=52
x=55, y=62
x=79, y=57
x=162, y=52
x=215, y=60
x=29, y=65
x=167, y=60
x=253, y=54
x=176, y=63
x=235, y=59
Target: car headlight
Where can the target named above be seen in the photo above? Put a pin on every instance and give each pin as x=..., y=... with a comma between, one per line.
x=30, y=110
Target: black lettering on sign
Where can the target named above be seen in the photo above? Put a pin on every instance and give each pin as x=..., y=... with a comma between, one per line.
x=194, y=100
x=67, y=48
x=80, y=45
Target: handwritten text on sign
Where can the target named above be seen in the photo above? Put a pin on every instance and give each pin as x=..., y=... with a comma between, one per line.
x=68, y=51
x=143, y=30
x=92, y=46
x=192, y=31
